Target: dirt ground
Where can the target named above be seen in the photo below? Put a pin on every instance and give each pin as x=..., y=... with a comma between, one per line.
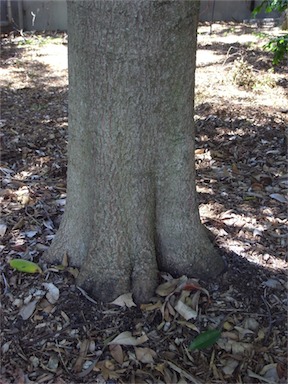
x=52, y=331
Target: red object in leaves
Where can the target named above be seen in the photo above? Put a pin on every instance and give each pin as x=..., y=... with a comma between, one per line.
x=191, y=287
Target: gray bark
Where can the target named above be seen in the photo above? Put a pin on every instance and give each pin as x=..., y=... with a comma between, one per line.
x=131, y=208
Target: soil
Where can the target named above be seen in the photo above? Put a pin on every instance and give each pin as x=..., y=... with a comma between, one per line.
x=51, y=330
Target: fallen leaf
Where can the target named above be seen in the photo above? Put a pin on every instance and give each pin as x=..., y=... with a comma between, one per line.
x=200, y=151
x=192, y=379
x=3, y=228
x=65, y=261
x=27, y=310
x=53, y=362
x=243, y=332
x=73, y=271
x=151, y=306
x=278, y=197
x=126, y=338
x=272, y=283
x=5, y=347
x=259, y=377
x=188, y=325
x=124, y=300
x=31, y=233
x=205, y=339
x=167, y=288
x=185, y=311
x=229, y=366
x=116, y=352
x=234, y=347
x=84, y=345
x=270, y=372
x=53, y=292
x=22, y=265
x=145, y=355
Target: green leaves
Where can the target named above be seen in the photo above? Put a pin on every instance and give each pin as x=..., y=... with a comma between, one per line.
x=279, y=47
x=271, y=5
x=205, y=339
x=22, y=265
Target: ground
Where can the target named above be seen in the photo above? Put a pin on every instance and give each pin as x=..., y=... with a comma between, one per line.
x=52, y=331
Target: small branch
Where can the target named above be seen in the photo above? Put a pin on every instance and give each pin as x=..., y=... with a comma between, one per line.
x=86, y=295
x=270, y=320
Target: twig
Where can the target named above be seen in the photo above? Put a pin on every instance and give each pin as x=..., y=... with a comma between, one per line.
x=270, y=320
x=6, y=289
x=86, y=295
x=228, y=54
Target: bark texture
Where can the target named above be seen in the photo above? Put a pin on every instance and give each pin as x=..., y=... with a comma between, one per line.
x=131, y=207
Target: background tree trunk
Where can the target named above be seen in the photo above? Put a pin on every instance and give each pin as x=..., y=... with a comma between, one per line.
x=131, y=206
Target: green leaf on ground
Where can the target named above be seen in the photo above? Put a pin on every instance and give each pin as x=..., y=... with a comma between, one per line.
x=22, y=265
x=205, y=339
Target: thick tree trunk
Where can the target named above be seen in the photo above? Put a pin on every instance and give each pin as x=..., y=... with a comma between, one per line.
x=131, y=208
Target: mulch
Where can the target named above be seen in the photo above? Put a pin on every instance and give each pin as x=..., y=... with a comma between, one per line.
x=53, y=332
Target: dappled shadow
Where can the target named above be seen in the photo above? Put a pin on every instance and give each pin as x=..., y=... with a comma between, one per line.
x=258, y=58
x=222, y=29
x=239, y=165
x=30, y=70
x=283, y=82
x=9, y=51
x=35, y=126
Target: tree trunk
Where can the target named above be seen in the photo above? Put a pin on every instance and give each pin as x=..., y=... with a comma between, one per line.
x=131, y=202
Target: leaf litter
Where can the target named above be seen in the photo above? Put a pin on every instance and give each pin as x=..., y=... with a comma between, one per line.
x=51, y=330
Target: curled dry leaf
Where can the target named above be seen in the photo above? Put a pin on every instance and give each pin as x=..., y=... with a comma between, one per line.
x=124, y=300
x=229, y=366
x=117, y=353
x=126, y=338
x=145, y=355
x=278, y=197
x=151, y=306
x=234, y=347
x=53, y=292
x=5, y=347
x=167, y=288
x=27, y=310
x=185, y=311
x=3, y=228
x=84, y=345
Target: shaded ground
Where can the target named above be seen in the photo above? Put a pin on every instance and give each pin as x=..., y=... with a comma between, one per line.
x=51, y=336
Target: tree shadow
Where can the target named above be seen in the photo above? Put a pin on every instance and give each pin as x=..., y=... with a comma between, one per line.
x=9, y=51
x=241, y=167
x=34, y=148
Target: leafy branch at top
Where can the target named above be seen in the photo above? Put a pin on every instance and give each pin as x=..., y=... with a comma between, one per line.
x=271, y=5
x=277, y=45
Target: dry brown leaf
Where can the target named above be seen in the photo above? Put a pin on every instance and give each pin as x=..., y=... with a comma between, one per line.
x=3, y=228
x=117, y=353
x=124, y=300
x=189, y=325
x=167, y=288
x=27, y=310
x=151, y=306
x=53, y=292
x=65, y=260
x=126, y=338
x=145, y=355
x=229, y=366
x=183, y=373
x=82, y=355
x=185, y=311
